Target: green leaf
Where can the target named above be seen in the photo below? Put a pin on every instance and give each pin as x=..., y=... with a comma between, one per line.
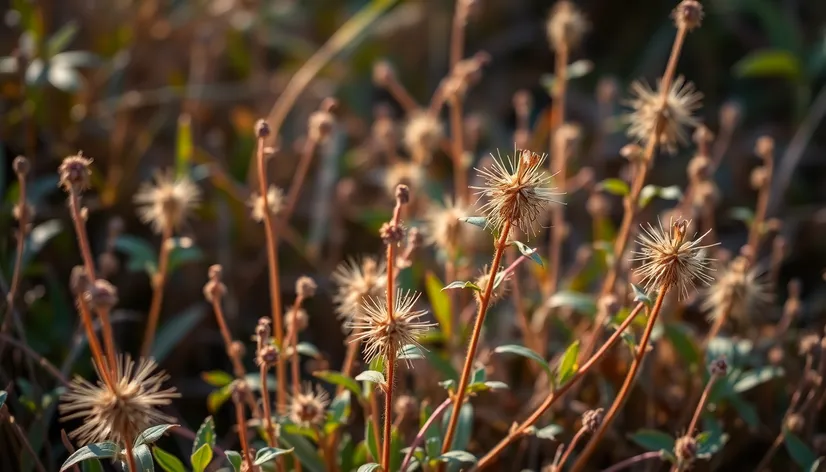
x=746, y=215
x=457, y=456
x=201, y=458
x=680, y=337
x=567, y=365
x=615, y=187
x=671, y=193
x=746, y=410
x=308, y=349
x=369, y=467
x=218, y=397
x=104, y=450
x=337, y=378
x=442, y=309
x=650, y=191
x=579, y=68
x=462, y=284
x=39, y=236
x=479, y=221
x=710, y=443
x=641, y=296
x=91, y=465
x=463, y=429
x=204, y=435
x=339, y=410
x=371, y=376
x=183, y=145
x=580, y=302
x=3, y=395
x=142, y=256
x=143, y=458
x=267, y=454
x=653, y=440
x=183, y=252
x=167, y=461
x=524, y=352
x=217, y=378
x=770, y=63
x=802, y=455
x=755, y=377
x=153, y=433
x=175, y=330
x=533, y=254
x=370, y=439
x=304, y=450
x=548, y=432
x=235, y=459
x=60, y=40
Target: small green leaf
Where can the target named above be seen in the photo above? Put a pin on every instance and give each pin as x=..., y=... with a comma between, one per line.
x=218, y=397
x=770, y=63
x=615, y=187
x=671, y=193
x=462, y=284
x=653, y=440
x=143, y=457
x=60, y=40
x=744, y=214
x=201, y=458
x=371, y=376
x=269, y=453
x=305, y=451
x=167, y=461
x=235, y=459
x=817, y=466
x=579, y=68
x=567, y=365
x=370, y=438
x=442, y=309
x=479, y=221
x=91, y=465
x=533, y=254
x=802, y=454
x=153, y=433
x=465, y=427
x=641, y=296
x=647, y=194
x=457, y=456
x=755, y=377
x=104, y=450
x=524, y=352
x=580, y=302
x=369, y=467
x=548, y=432
x=308, y=349
x=217, y=378
x=680, y=336
x=204, y=435
x=337, y=378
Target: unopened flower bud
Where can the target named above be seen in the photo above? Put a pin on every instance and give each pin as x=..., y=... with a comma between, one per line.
x=402, y=194
x=592, y=419
x=21, y=166
x=688, y=14
x=267, y=355
x=102, y=295
x=305, y=287
x=719, y=367
x=75, y=173
x=262, y=129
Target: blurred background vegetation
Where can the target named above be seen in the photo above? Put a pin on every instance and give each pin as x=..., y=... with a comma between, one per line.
x=143, y=85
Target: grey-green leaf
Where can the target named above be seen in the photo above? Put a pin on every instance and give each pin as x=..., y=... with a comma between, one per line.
x=524, y=352
x=581, y=302
x=479, y=221
x=371, y=376
x=153, y=433
x=653, y=440
x=458, y=456
x=204, y=435
x=104, y=450
x=533, y=254
x=143, y=458
x=641, y=296
x=567, y=365
x=548, y=432
x=369, y=467
x=462, y=284
x=3, y=395
x=235, y=459
x=269, y=453
x=799, y=451
x=337, y=378
x=175, y=330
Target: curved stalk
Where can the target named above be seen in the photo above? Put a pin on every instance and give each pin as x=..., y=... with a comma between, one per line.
x=158, y=282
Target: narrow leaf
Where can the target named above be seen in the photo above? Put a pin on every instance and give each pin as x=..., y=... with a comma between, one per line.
x=153, y=433
x=581, y=302
x=104, y=450
x=442, y=309
x=567, y=365
x=549, y=432
x=217, y=378
x=167, y=461
x=479, y=221
x=371, y=376
x=458, y=456
x=615, y=187
x=269, y=453
x=201, y=458
x=462, y=284
x=175, y=330
x=369, y=467
x=653, y=440
x=529, y=252
x=204, y=435
x=235, y=460
x=143, y=458
x=799, y=451
x=337, y=378
x=524, y=352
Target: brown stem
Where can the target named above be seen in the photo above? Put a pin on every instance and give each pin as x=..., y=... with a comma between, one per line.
x=275, y=288
x=698, y=412
x=764, y=462
x=457, y=34
x=298, y=179
x=265, y=400
x=519, y=431
x=130, y=458
x=242, y=432
x=292, y=346
x=350, y=356
x=80, y=231
x=24, y=440
x=388, y=411
x=107, y=371
x=633, y=460
x=401, y=95
x=23, y=225
x=501, y=244
x=625, y=390
x=237, y=366
x=557, y=164
x=570, y=448
x=756, y=229
x=158, y=282
x=458, y=150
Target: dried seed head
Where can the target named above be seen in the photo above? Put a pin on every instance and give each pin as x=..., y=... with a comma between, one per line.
x=165, y=203
x=237, y=350
x=406, y=408
x=566, y=26
x=75, y=173
x=120, y=414
x=517, y=191
x=598, y=205
x=308, y=407
x=357, y=280
x=21, y=166
x=402, y=194
x=739, y=290
x=296, y=319
x=101, y=295
x=320, y=126
x=391, y=234
x=670, y=259
x=262, y=329
x=443, y=228
x=267, y=356
x=685, y=449
x=719, y=367
x=305, y=287
x=422, y=136
x=214, y=289
x=262, y=129
x=665, y=122
x=499, y=290
x=384, y=334
x=688, y=14
x=275, y=202
x=240, y=389
x=592, y=419
x=764, y=147
x=383, y=74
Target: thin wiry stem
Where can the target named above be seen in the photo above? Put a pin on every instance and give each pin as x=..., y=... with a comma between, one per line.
x=24, y=440
x=570, y=449
x=437, y=413
x=625, y=390
x=519, y=431
x=275, y=286
x=458, y=150
x=241, y=422
x=107, y=371
x=237, y=366
x=23, y=225
x=298, y=179
x=756, y=229
x=633, y=460
x=388, y=410
x=558, y=164
x=484, y=302
x=698, y=412
x=265, y=400
x=158, y=282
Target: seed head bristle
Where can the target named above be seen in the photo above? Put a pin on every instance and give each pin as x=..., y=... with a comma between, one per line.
x=308, y=407
x=740, y=290
x=166, y=202
x=356, y=280
x=275, y=202
x=665, y=122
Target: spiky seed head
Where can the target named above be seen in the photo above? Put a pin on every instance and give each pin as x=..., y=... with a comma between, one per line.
x=592, y=419
x=357, y=280
x=498, y=292
x=122, y=413
x=391, y=233
x=296, y=319
x=566, y=26
x=166, y=202
x=305, y=287
x=75, y=173
x=275, y=202
x=267, y=356
x=443, y=228
x=688, y=14
x=21, y=166
x=308, y=407
x=384, y=335
x=101, y=295
x=719, y=367
x=422, y=136
x=685, y=449
x=517, y=190
x=671, y=259
x=665, y=122
x=740, y=290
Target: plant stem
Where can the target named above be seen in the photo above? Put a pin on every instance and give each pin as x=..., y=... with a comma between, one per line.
x=107, y=371
x=570, y=449
x=23, y=224
x=298, y=179
x=158, y=282
x=130, y=458
x=501, y=244
x=458, y=149
x=519, y=431
x=698, y=412
x=353, y=345
x=15, y=426
x=764, y=462
x=265, y=400
x=242, y=432
x=625, y=390
x=557, y=164
x=437, y=413
x=633, y=460
x=275, y=286
x=756, y=229
x=388, y=411
x=374, y=418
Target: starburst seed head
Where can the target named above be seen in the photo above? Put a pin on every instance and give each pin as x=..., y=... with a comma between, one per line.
x=670, y=259
x=665, y=122
x=355, y=281
x=166, y=202
x=275, y=202
x=307, y=408
x=739, y=290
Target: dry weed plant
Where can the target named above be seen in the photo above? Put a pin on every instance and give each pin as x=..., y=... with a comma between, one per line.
x=466, y=348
